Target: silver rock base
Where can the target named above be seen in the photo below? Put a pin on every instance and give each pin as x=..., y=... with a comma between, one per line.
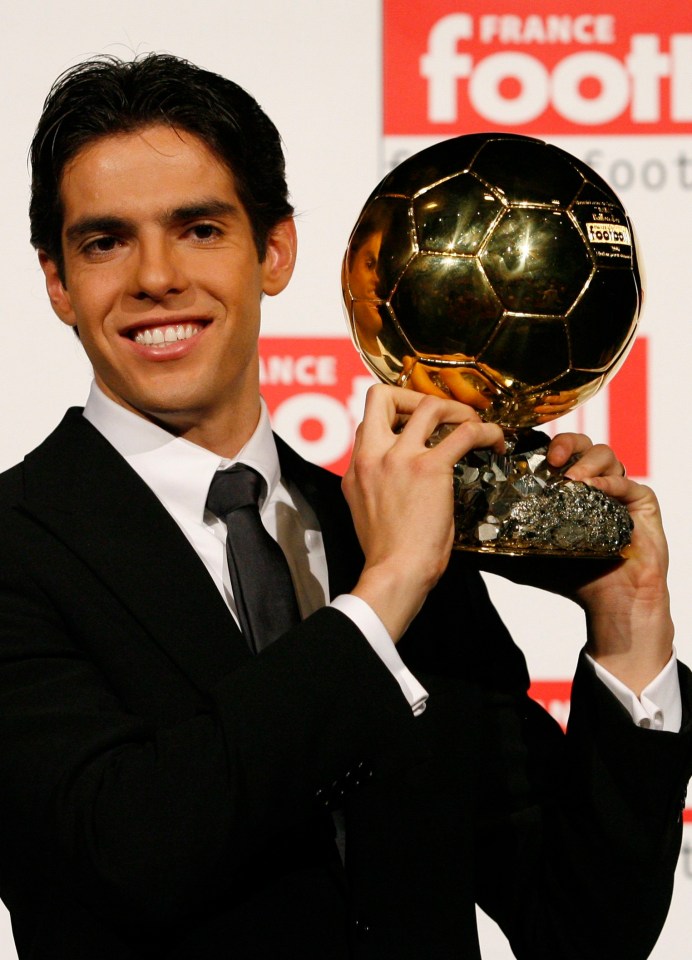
x=518, y=504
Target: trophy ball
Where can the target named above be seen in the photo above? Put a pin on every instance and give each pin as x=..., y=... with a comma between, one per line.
x=496, y=269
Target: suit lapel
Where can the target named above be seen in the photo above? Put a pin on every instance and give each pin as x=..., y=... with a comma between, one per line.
x=80, y=488
x=322, y=490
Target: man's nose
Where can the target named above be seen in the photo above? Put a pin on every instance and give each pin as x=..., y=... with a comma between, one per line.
x=158, y=271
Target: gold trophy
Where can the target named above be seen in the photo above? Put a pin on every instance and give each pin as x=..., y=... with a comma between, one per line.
x=503, y=272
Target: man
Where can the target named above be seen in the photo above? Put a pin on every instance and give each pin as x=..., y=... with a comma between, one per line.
x=352, y=788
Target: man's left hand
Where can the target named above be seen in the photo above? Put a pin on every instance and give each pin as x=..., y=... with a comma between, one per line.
x=626, y=599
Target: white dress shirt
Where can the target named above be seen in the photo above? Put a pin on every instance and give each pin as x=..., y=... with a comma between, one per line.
x=180, y=473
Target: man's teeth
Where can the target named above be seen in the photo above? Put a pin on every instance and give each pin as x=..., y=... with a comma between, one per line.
x=155, y=336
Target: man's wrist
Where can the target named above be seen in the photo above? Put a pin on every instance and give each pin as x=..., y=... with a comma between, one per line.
x=633, y=642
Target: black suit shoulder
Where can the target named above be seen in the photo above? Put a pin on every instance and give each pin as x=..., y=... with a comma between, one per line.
x=11, y=485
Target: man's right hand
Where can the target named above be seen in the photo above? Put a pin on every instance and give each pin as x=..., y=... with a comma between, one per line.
x=400, y=493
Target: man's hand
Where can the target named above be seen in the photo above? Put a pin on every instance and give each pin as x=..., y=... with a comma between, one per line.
x=400, y=494
x=627, y=605
x=626, y=601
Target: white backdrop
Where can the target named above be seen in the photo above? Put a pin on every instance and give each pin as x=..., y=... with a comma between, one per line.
x=315, y=65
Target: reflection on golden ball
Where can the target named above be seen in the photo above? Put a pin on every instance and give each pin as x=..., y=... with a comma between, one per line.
x=496, y=269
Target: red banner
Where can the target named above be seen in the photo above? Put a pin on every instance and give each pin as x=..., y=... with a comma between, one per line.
x=458, y=67
x=315, y=390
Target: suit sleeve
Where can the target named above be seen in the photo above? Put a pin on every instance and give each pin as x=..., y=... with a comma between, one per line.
x=573, y=838
x=580, y=833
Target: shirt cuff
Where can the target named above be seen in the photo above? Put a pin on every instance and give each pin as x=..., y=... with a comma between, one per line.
x=364, y=617
x=660, y=705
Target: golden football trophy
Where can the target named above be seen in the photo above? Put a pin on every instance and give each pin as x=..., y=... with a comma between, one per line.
x=503, y=272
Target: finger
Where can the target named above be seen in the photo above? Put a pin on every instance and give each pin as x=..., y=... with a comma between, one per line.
x=384, y=400
x=627, y=491
x=471, y=435
x=384, y=408
x=388, y=404
x=567, y=445
x=648, y=539
x=431, y=413
x=598, y=461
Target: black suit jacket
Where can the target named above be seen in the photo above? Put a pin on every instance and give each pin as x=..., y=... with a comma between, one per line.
x=165, y=794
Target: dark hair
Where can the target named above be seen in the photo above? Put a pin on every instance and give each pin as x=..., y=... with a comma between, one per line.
x=107, y=95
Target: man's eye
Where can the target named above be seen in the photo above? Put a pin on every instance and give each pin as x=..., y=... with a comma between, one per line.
x=204, y=231
x=101, y=245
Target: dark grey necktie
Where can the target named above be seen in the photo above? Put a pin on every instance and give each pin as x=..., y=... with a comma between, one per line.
x=262, y=588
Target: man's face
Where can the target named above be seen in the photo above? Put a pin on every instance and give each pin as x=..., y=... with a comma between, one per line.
x=162, y=278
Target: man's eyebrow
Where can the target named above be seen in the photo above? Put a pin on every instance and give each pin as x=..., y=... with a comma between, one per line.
x=200, y=209
x=89, y=225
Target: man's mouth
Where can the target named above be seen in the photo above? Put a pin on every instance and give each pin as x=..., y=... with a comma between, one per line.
x=168, y=333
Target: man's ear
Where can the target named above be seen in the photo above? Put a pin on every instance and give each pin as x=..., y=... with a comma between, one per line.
x=57, y=291
x=280, y=257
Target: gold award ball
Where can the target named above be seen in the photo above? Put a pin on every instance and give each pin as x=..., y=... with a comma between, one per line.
x=496, y=269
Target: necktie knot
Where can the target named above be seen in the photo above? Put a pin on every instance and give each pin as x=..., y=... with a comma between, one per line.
x=239, y=486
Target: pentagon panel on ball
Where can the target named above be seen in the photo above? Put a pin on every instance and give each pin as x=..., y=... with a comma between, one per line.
x=500, y=271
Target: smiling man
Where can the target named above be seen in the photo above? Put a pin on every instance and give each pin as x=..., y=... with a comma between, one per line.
x=212, y=746
x=163, y=282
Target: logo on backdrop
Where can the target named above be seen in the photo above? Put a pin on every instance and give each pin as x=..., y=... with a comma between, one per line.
x=315, y=390
x=459, y=67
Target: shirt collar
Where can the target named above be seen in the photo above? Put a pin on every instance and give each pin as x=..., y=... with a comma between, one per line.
x=178, y=472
